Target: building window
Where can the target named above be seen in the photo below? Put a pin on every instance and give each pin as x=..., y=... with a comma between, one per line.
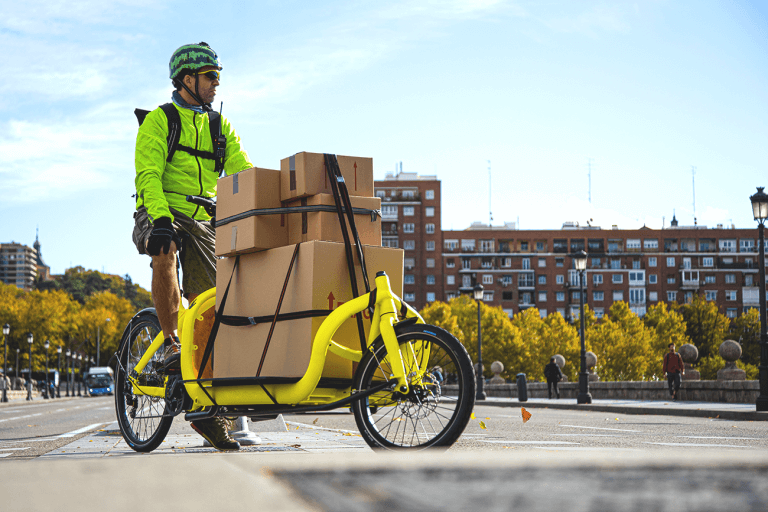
x=636, y=278
x=730, y=295
x=542, y=296
x=560, y=279
x=747, y=245
x=728, y=245
x=430, y=296
x=451, y=245
x=542, y=279
x=450, y=263
x=467, y=245
x=524, y=246
x=633, y=243
x=730, y=278
x=599, y=313
x=670, y=280
x=431, y=245
x=486, y=263
x=389, y=242
x=597, y=278
x=526, y=263
x=709, y=279
x=542, y=313
x=618, y=296
x=653, y=296
x=381, y=193
x=430, y=279
x=430, y=262
x=688, y=297
x=466, y=263
x=560, y=296
x=408, y=194
x=388, y=210
x=542, y=262
x=595, y=263
x=615, y=264
x=731, y=312
x=409, y=245
x=652, y=278
x=710, y=294
x=450, y=296
x=650, y=243
x=559, y=262
x=410, y=296
x=450, y=280
x=487, y=278
x=429, y=194
x=670, y=261
x=429, y=228
x=487, y=296
x=539, y=246
x=429, y=211
x=598, y=296
x=409, y=263
x=409, y=279
x=506, y=295
x=525, y=280
x=506, y=262
x=748, y=280
x=652, y=261
x=636, y=264
x=407, y=211
x=637, y=295
x=409, y=228
x=617, y=278
x=466, y=281
x=671, y=296
x=707, y=261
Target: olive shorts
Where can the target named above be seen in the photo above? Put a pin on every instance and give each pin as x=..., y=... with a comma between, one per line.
x=197, y=253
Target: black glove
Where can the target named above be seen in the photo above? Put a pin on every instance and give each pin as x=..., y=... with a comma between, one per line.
x=161, y=237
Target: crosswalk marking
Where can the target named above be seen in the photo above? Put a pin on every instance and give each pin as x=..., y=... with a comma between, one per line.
x=701, y=445
x=80, y=430
x=604, y=428
x=13, y=449
x=525, y=442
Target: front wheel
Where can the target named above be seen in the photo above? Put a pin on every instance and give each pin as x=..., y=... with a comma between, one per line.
x=143, y=419
x=428, y=415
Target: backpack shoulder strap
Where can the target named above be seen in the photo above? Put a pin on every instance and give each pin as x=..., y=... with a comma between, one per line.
x=174, y=128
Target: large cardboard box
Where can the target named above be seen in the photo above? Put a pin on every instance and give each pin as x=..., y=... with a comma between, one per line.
x=307, y=226
x=241, y=192
x=319, y=280
x=304, y=174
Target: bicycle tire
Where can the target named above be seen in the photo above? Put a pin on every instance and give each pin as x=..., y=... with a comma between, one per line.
x=143, y=432
x=425, y=406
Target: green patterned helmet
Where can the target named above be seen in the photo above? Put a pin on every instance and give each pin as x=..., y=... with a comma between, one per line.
x=193, y=57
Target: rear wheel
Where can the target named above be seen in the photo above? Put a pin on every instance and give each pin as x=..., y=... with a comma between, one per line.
x=429, y=415
x=142, y=419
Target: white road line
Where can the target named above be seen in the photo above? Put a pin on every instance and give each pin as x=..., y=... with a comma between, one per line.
x=526, y=442
x=701, y=445
x=587, y=435
x=80, y=430
x=13, y=449
x=5, y=455
x=723, y=437
x=602, y=428
x=321, y=428
x=22, y=417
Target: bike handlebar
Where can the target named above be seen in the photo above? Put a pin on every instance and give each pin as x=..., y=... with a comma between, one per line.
x=206, y=202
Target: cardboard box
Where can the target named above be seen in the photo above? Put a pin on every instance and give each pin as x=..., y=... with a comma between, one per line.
x=304, y=174
x=304, y=227
x=319, y=280
x=241, y=192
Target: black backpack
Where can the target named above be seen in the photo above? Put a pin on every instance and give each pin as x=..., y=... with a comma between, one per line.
x=174, y=134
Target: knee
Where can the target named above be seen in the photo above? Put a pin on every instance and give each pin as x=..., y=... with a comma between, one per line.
x=164, y=262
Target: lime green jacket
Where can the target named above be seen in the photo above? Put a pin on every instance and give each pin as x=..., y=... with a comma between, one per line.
x=160, y=184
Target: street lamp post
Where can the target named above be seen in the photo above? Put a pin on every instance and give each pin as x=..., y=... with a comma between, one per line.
x=478, y=294
x=30, y=340
x=6, y=381
x=47, y=346
x=67, y=364
x=760, y=212
x=58, y=369
x=16, y=375
x=80, y=372
x=580, y=261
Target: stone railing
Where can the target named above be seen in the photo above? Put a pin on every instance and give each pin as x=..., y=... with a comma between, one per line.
x=730, y=391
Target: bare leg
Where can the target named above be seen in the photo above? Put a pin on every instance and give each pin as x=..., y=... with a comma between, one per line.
x=165, y=290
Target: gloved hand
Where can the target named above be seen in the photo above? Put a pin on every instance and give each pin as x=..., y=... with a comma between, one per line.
x=161, y=237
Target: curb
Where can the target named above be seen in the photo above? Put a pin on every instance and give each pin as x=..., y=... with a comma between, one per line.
x=620, y=409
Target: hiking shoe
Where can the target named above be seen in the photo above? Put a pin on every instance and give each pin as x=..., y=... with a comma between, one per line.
x=171, y=355
x=214, y=430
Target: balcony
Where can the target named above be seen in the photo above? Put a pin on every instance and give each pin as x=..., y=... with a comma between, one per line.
x=736, y=265
x=402, y=198
x=690, y=280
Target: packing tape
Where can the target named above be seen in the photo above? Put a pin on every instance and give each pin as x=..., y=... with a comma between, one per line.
x=292, y=169
x=235, y=185
x=234, y=237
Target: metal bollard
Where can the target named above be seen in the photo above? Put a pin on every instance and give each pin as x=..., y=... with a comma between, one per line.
x=522, y=388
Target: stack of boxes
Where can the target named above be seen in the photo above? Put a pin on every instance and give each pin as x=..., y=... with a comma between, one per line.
x=320, y=276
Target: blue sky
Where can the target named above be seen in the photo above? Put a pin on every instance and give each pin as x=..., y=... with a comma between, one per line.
x=645, y=89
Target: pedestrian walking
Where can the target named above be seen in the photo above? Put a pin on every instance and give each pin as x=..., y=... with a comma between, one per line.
x=553, y=375
x=674, y=368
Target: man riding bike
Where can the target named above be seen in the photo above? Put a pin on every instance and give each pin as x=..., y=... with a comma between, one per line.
x=170, y=166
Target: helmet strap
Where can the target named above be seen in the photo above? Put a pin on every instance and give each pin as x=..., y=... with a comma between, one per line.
x=195, y=95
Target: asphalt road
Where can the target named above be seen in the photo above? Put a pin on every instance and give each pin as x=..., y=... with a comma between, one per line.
x=568, y=430
x=30, y=429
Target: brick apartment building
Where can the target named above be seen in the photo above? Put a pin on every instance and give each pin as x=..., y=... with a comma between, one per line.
x=20, y=265
x=520, y=269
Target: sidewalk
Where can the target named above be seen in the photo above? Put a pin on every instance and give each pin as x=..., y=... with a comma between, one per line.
x=726, y=411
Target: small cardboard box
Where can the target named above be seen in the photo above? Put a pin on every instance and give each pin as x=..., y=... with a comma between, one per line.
x=248, y=190
x=307, y=226
x=319, y=280
x=304, y=174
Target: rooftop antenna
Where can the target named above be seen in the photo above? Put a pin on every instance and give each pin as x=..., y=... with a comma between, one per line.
x=693, y=182
x=589, y=174
x=490, y=211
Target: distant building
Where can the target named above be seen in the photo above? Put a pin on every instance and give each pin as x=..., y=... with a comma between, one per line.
x=520, y=269
x=20, y=265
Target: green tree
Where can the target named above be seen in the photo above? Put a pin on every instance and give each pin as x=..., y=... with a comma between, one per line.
x=705, y=325
x=543, y=338
x=81, y=284
x=622, y=345
x=746, y=330
x=667, y=326
x=563, y=338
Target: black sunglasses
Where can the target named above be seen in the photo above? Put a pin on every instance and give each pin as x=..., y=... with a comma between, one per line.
x=211, y=75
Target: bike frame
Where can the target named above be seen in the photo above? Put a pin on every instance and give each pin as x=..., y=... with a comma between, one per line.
x=203, y=392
